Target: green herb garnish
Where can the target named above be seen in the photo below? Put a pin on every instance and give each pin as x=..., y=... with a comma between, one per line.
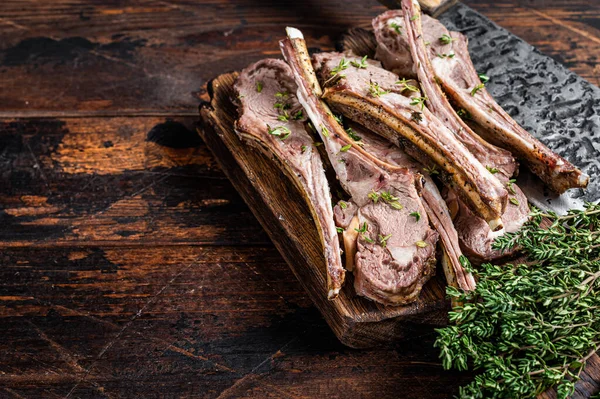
x=280, y=131
x=483, y=78
x=360, y=65
x=343, y=205
x=353, y=134
x=421, y=244
x=339, y=229
x=298, y=115
x=417, y=215
x=492, y=170
x=431, y=170
x=373, y=196
x=514, y=201
x=509, y=186
x=476, y=89
x=446, y=39
x=375, y=90
x=383, y=240
x=396, y=27
x=406, y=85
x=530, y=326
x=418, y=101
x=346, y=148
x=259, y=86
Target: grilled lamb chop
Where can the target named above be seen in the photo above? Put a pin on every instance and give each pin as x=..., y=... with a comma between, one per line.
x=439, y=215
x=453, y=68
x=272, y=120
x=375, y=98
x=476, y=237
x=395, y=253
x=397, y=51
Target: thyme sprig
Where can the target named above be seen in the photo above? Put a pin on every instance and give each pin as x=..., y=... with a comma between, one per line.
x=375, y=90
x=336, y=71
x=530, y=326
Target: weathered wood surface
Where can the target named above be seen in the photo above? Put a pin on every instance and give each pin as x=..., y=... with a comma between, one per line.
x=129, y=265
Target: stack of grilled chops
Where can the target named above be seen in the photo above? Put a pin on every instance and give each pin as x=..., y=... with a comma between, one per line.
x=419, y=112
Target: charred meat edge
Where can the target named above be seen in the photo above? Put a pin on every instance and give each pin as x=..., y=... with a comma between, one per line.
x=461, y=170
x=309, y=176
x=295, y=52
x=498, y=127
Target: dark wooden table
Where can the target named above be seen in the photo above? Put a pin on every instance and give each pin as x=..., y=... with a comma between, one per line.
x=129, y=267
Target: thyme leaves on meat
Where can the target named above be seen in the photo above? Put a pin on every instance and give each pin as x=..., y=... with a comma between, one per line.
x=383, y=240
x=375, y=90
x=451, y=55
x=363, y=232
x=414, y=17
x=527, y=327
x=407, y=86
x=492, y=170
x=362, y=64
x=346, y=148
x=282, y=132
x=386, y=197
x=446, y=39
x=259, y=87
x=463, y=114
x=514, y=201
x=284, y=117
x=416, y=214
x=416, y=116
x=418, y=101
x=335, y=72
x=510, y=187
x=431, y=170
x=298, y=115
x=396, y=27
x=391, y=200
x=483, y=78
x=343, y=204
x=373, y=196
x=476, y=89
x=421, y=244
x=353, y=134
x=303, y=149
x=339, y=229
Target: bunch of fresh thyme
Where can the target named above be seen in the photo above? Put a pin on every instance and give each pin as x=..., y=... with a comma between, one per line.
x=530, y=326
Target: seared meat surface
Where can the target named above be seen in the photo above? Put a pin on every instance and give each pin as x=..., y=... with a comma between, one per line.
x=395, y=252
x=476, y=236
x=272, y=120
x=394, y=109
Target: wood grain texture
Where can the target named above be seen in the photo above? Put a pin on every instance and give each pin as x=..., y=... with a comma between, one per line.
x=189, y=298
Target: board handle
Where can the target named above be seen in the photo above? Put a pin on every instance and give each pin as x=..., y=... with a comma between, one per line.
x=432, y=7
